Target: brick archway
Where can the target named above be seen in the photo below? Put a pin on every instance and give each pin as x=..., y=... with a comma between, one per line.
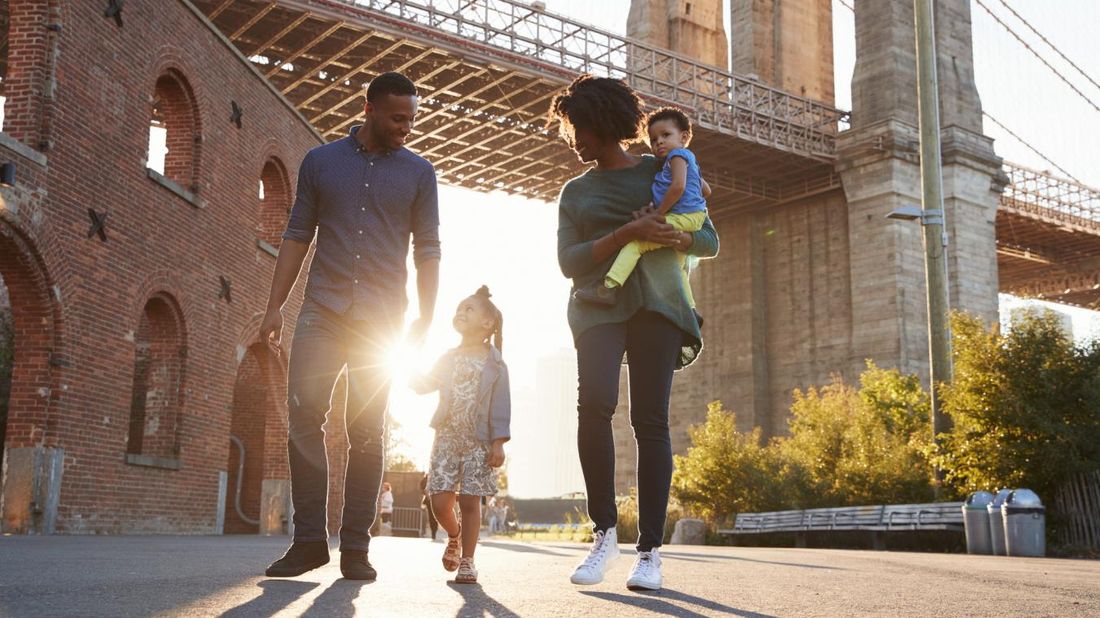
x=258, y=425
x=274, y=201
x=35, y=363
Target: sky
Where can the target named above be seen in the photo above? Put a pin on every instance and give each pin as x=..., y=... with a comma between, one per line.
x=508, y=243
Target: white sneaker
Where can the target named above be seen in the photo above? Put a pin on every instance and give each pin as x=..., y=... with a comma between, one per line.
x=605, y=548
x=646, y=574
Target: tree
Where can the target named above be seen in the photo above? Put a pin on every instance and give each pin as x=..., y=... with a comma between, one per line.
x=1026, y=407
x=726, y=471
x=862, y=446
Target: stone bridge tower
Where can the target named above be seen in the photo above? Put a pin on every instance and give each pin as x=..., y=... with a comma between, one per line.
x=691, y=27
x=815, y=286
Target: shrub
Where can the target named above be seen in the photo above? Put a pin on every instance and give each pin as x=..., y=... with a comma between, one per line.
x=1025, y=407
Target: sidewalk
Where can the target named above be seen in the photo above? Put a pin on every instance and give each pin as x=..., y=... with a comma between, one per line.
x=208, y=576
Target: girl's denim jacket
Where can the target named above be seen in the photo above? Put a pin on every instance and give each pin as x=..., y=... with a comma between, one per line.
x=494, y=401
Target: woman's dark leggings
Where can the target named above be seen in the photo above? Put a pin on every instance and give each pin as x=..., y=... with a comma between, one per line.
x=652, y=345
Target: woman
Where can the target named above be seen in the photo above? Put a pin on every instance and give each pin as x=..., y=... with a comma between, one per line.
x=652, y=322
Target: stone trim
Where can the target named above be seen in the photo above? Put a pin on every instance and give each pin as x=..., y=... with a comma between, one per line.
x=149, y=461
x=175, y=188
x=21, y=149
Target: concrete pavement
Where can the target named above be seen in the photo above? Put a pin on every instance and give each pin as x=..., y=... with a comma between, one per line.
x=209, y=576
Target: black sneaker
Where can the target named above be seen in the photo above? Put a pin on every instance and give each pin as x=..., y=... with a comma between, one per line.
x=354, y=565
x=302, y=556
x=598, y=294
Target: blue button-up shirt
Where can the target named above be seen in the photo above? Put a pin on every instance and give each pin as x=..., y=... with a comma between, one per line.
x=363, y=207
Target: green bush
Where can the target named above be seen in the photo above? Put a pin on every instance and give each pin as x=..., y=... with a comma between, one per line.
x=726, y=471
x=847, y=447
x=865, y=446
x=1025, y=407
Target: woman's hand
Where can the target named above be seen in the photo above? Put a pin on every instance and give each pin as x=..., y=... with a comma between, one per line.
x=652, y=228
x=496, y=455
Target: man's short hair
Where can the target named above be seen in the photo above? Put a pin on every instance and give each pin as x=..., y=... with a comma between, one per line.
x=674, y=114
x=390, y=83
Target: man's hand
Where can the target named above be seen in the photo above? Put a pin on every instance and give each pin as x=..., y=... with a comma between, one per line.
x=271, y=331
x=418, y=331
x=496, y=455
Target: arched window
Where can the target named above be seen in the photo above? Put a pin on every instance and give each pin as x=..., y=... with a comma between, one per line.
x=155, y=400
x=174, y=131
x=274, y=202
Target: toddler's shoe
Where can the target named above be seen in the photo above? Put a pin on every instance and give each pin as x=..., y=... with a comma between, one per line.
x=598, y=294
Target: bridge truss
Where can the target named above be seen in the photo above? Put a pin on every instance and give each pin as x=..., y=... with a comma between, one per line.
x=487, y=70
x=1048, y=238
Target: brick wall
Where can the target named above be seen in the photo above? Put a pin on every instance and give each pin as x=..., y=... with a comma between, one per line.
x=79, y=303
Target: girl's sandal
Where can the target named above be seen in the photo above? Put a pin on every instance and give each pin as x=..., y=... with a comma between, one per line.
x=451, y=554
x=467, y=574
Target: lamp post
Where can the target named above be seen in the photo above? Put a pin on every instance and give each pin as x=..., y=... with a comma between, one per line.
x=931, y=215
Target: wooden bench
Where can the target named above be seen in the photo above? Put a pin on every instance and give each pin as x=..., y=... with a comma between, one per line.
x=876, y=519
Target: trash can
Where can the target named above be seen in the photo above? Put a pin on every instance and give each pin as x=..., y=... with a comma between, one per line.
x=997, y=523
x=1025, y=524
x=976, y=523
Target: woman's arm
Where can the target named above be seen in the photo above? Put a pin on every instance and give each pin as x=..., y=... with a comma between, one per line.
x=702, y=244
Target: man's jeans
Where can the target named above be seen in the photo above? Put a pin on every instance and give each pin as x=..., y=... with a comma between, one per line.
x=323, y=344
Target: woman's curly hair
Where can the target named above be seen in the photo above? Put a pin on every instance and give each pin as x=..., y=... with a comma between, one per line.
x=604, y=106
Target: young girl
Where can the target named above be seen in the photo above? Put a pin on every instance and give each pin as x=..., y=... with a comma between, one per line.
x=471, y=426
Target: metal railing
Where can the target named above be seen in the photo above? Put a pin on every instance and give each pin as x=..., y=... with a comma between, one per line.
x=720, y=100
x=1050, y=197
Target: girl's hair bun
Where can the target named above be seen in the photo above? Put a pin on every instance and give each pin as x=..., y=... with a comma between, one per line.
x=483, y=292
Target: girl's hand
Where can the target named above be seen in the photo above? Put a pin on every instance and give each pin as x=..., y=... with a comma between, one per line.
x=648, y=211
x=496, y=455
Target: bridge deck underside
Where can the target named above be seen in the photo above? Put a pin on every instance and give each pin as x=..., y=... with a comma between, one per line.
x=1054, y=260
x=482, y=118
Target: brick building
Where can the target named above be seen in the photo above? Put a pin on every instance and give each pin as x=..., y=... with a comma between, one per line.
x=134, y=352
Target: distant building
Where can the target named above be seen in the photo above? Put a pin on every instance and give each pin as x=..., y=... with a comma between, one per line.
x=546, y=463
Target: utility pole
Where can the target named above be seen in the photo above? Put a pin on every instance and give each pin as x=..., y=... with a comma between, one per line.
x=932, y=213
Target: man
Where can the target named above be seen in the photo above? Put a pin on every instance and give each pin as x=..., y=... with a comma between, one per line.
x=363, y=195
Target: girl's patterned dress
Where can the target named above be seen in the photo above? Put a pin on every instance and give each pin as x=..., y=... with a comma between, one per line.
x=459, y=461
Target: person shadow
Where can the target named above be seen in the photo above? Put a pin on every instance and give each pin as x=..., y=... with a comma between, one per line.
x=275, y=595
x=338, y=600
x=475, y=602
x=655, y=602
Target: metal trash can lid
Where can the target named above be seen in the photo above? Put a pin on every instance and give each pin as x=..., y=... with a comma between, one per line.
x=1023, y=501
x=999, y=499
x=978, y=501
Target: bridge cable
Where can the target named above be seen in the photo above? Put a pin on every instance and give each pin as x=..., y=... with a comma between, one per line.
x=1047, y=41
x=1037, y=55
x=1032, y=148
